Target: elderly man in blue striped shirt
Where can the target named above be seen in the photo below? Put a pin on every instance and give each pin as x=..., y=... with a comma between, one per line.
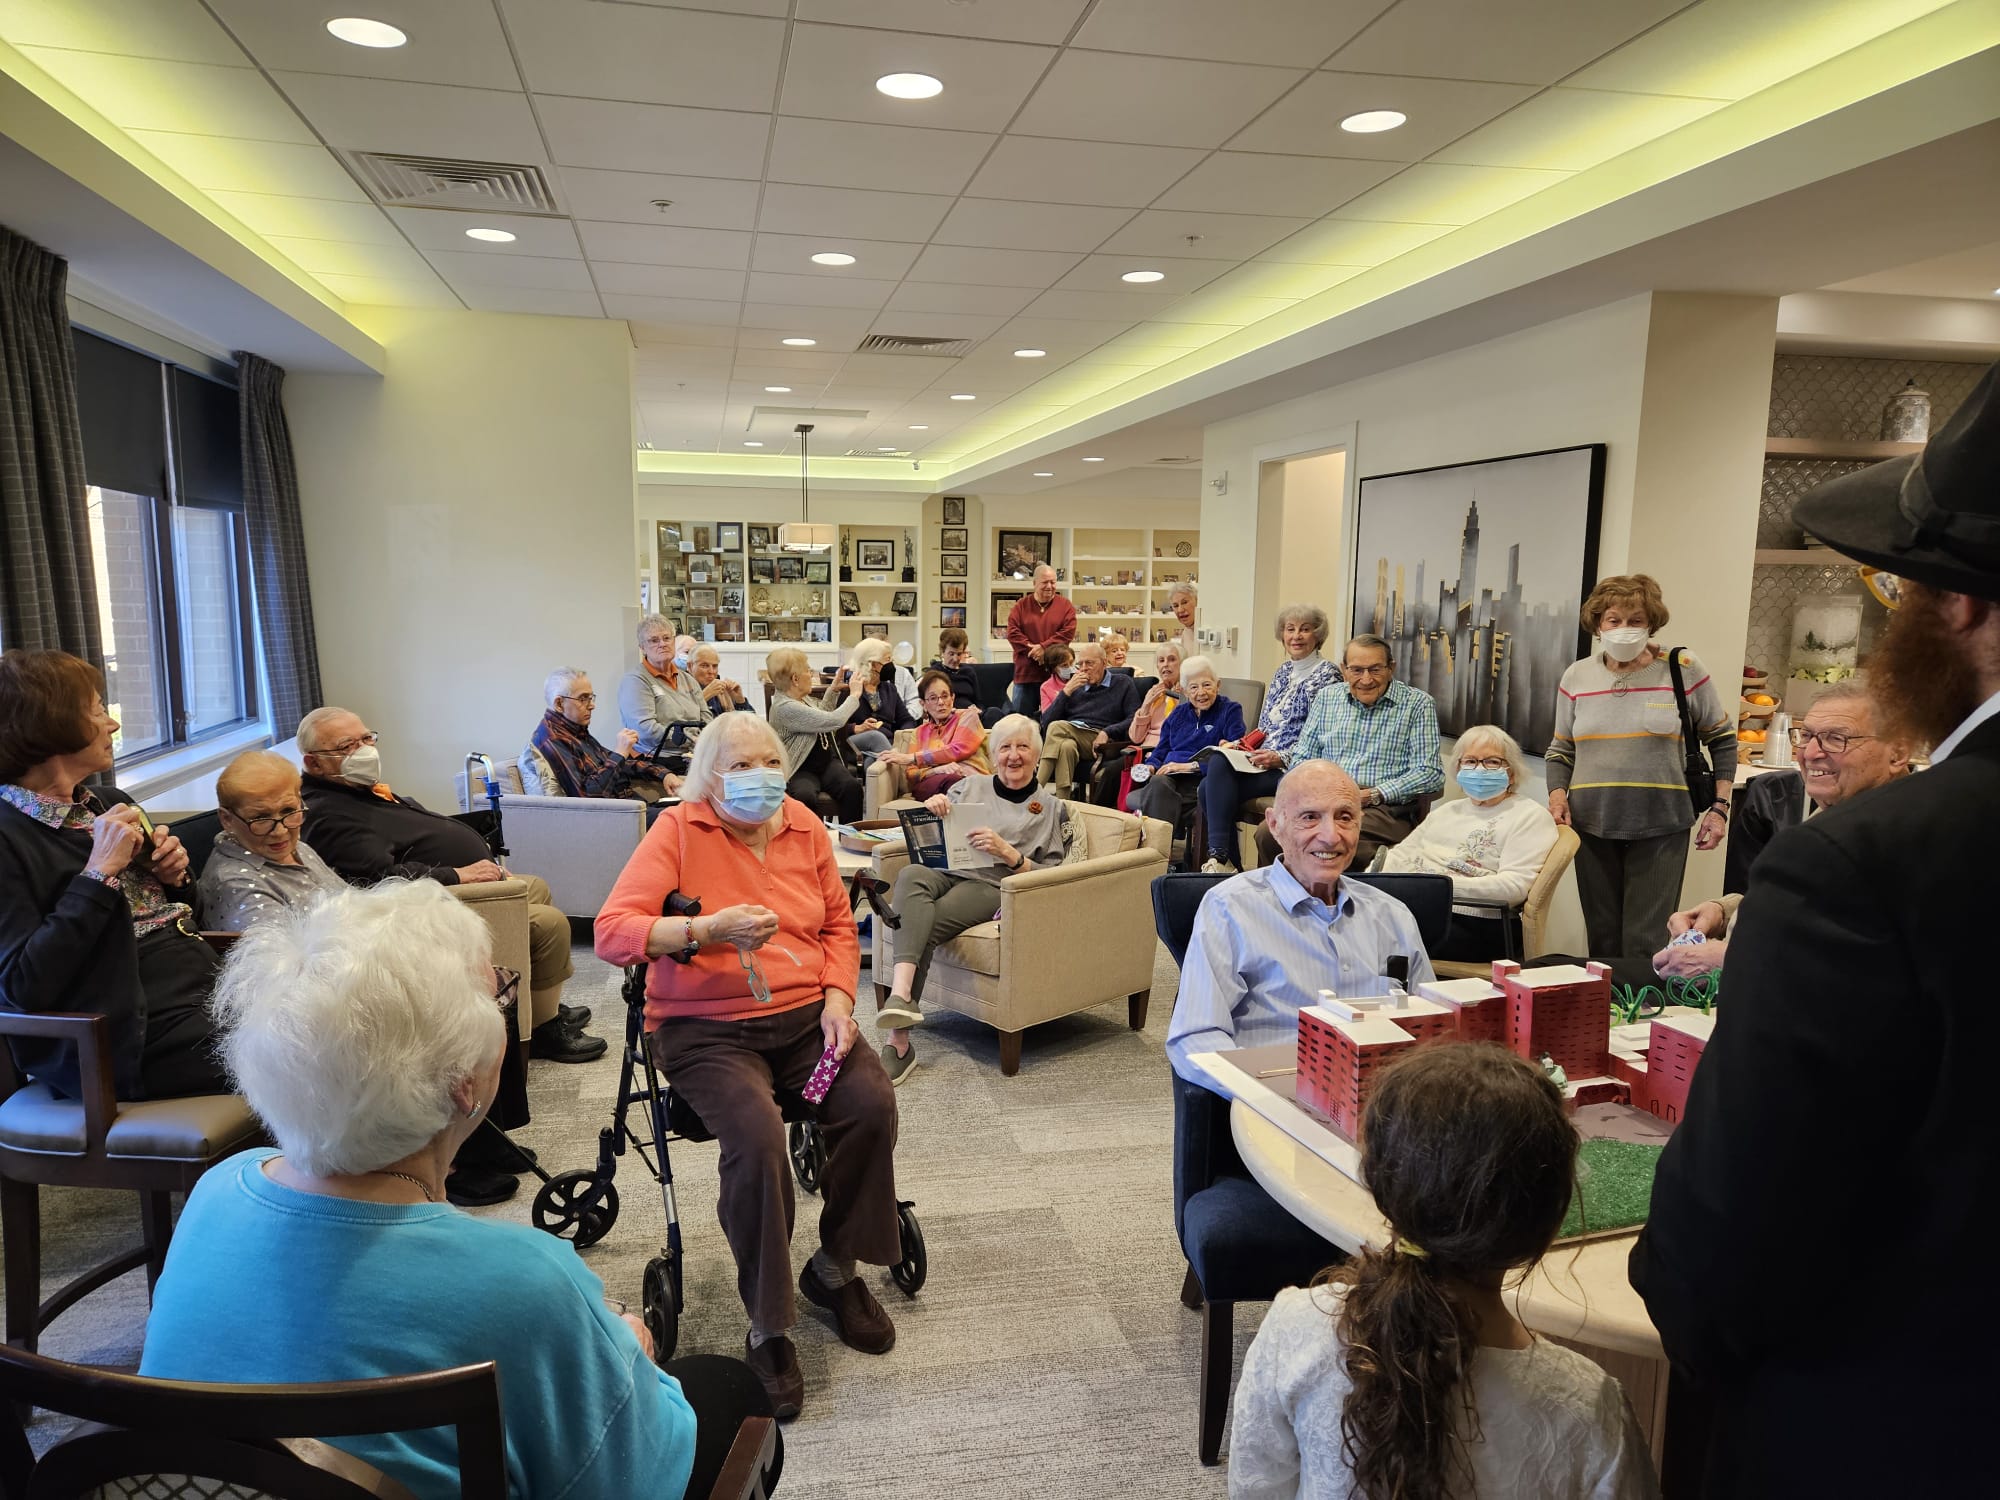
x=1266, y=942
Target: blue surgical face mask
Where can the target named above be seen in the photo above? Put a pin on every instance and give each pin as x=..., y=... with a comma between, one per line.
x=1479, y=783
x=682, y=660
x=751, y=796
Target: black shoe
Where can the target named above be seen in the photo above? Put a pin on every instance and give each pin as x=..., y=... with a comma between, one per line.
x=576, y=1017
x=876, y=894
x=558, y=1043
x=476, y=1187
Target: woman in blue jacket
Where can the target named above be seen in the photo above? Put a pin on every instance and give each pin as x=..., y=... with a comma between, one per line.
x=1171, y=774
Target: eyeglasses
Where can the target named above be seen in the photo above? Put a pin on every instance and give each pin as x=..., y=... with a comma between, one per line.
x=587, y=699
x=1491, y=763
x=1886, y=587
x=1381, y=670
x=264, y=827
x=1832, y=741
x=348, y=747
x=506, y=987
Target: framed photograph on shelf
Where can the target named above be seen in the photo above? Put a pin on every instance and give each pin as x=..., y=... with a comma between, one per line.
x=732, y=570
x=701, y=538
x=819, y=630
x=951, y=593
x=670, y=569
x=791, y=570
x=1003, y=604
x=760, y=630
x=763, y=570
x=760, y=538
x=850, y=602
x=874, y=555
x=952, y=615
x=701, y=601
x=732, y=601
x=904, y=603
x=729, y=628
x=789, y=630
x=954, y=539
x=952, y=564
x=728, y=536
x=1021, y=552
x=819, y=571
x=700, y=569
x=875, y=630
x=954, y=510
x=667, y=539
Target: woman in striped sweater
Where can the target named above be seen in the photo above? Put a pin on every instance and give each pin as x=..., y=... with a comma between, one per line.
x=1615, y=768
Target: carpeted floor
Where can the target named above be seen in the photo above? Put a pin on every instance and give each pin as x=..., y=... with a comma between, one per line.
x=1048, y=1354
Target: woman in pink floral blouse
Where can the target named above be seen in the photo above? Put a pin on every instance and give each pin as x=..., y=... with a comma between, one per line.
x=950, y=744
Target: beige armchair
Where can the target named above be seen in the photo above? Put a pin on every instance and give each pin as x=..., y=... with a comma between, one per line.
x=887, y=783
x=1533, y=911
x=579, y=845
x=1067, y=939
x=503, y=906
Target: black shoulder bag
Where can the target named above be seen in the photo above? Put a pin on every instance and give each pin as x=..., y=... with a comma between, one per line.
x=1700, y=775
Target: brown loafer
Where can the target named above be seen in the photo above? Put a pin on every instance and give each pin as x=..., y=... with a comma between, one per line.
x=857, y=1317
x=776, y=1362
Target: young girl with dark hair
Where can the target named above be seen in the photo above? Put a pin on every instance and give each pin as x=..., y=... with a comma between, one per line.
x=1402, y=1375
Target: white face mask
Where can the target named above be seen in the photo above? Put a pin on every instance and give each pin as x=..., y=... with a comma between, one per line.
x=363, y=766
x=1623, y=645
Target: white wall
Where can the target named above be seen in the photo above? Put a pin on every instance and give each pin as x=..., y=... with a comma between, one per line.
x=1301, y=521
x=468, y=520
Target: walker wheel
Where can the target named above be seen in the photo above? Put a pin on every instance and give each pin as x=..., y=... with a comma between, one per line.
x=808, y=1152
x=910, y=1272
x=660, y=1306
x=576, y=1206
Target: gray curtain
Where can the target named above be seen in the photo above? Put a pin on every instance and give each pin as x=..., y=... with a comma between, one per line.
x=48, y=592
x=277, y=545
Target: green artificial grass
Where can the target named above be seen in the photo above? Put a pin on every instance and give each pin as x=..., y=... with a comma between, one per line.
x=1615, y=1187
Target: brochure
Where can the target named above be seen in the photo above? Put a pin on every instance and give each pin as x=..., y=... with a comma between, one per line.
x=1239, y=759
x=941, y=843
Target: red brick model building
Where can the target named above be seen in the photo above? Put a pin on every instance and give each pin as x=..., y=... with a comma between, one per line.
x=1560, y=1012
x=1344, y=1043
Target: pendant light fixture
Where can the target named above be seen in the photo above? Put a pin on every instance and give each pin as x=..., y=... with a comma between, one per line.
x=802, y=535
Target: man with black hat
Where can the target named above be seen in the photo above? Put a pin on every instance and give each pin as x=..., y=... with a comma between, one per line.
x=1818, y=1260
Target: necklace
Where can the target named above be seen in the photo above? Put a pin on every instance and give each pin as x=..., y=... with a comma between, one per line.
x=417, y=1182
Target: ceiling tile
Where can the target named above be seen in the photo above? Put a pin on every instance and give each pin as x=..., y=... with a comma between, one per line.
x=627, y=198
x=1066, y=304
x=720, y=337
x=516, y=299
x=1307, y=120
x=1067, y=336
x=791, y=208
x=940, y=297
x=1102, y=273
x=956, y=325
x=1353, y=242
x=342, y=258
x=793, y=253
x=1433, y=193
x=654, y=137
x=1109, y=96
x=652, y=56
x=179, y=30
x=1012, y=21
x=830, y=325
x=759, y=346
x=703, y=285
x=441, y=229
x=419, y=119
x=685, y=316
x=659, y=245
x=310, y=218
x=1285, y=32
x=818, y=291
x=1237, y=182
x=1536, y=43
x=838, y=153
x=1088, y=172
x=1568, y=129
x=1037, y=268
x=1163, y=231
x=210, y=162
x=138, y=93
x=830, y=74
x=372, y=291
x=451, y=41
x=461, y=268
x=1006, y=225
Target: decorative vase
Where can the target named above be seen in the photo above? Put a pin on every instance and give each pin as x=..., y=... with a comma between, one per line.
x=1907, y=417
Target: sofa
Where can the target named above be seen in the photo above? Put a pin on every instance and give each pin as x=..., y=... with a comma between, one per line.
x=579, y=845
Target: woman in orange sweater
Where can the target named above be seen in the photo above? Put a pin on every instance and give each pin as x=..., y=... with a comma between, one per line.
x=950, y=743
x=742, y=1000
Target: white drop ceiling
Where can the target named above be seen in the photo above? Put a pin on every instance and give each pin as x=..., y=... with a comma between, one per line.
x=701, y=152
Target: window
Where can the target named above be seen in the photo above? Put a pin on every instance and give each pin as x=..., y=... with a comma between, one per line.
x=169, y=545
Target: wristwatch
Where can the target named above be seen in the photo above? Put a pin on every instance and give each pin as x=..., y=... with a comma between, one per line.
x=1372, y=797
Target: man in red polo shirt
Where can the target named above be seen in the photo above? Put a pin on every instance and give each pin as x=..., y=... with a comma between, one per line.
x=1037, y=621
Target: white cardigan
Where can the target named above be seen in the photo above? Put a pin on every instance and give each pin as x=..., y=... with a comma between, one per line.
x=1491, y=853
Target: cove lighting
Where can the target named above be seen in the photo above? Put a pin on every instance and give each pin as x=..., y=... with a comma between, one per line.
x=965, y=396
x=1030, y=353
x=798, y=343
x=1370, y=121
x=491, y=236
x=832, y=258
x=908, y=86
x=362, y=32
x=1144, y=276
x=1093, y=460
x=778, y=390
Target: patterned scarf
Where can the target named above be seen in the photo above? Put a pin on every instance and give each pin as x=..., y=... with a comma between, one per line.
x=571, y=750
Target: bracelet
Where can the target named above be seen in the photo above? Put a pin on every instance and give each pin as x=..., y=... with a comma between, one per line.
x=685, y=955
x=1720, y=809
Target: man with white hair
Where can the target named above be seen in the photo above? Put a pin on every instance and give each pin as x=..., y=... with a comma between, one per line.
x=367, y=832
x=582, y=765
x=1095, y=699
x=1037, y=621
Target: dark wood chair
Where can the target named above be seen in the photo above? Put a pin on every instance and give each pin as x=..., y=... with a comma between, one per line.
x=154, y=1148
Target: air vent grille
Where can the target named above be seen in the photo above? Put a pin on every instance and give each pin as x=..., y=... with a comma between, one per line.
x=876, y=453
x=439, y=182
x=904, y=343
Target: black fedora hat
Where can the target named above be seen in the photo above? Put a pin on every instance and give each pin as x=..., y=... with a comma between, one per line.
x=1932, y=516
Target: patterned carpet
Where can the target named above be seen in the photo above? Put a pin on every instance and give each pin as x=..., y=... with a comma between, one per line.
x=1048, y=1355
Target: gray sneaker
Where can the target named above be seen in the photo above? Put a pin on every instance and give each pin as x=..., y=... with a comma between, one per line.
x=899, y=1065
x=896, y=1012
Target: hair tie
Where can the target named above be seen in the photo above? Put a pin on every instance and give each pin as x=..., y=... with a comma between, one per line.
x=1411, y=1249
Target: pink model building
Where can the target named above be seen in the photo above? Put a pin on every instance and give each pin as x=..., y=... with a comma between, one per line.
x=1477, y=1006
x=1343, y=1043
x=1561, y=1012
x=1673, y=1049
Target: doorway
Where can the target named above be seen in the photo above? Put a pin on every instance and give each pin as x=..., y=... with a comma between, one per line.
x=1301, y=528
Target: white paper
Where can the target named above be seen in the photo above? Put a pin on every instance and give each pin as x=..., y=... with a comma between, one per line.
x=1240, y=759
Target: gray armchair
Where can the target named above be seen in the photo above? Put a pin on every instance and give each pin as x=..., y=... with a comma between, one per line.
x=577, y=844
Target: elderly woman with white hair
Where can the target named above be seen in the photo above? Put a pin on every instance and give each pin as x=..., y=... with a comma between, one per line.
x=1491, y=842
x=1181, y=602
x=658, y=699
x=365, y=1030
x=815, y=771
x=582, y=764
x=888, y=702
x=1016, y=825
x=1167, y=781
x=742, y=1000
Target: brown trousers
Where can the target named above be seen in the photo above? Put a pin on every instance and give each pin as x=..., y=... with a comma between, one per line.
x=726, y=1071
x=548, y=949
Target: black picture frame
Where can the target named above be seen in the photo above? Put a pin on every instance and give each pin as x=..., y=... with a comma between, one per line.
x=953, y=565
x=760, y=537
x=951, y=593
x=760, y=630
x=1003, y=605
x=904, y=602
x=874, y=555
x=951, y=615
x=954, y=510
x=875, y=630
x=732, y=601
x=1023, y=551
x=763, y=570
x=791, y=570
x=732, y=570
x=954, y=539
x=728, y=536
x=850, y=602
x=819, y=571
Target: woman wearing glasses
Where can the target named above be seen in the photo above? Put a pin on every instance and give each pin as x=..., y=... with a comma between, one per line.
x=259, y=865
x=1491, y=842
x=743, y=999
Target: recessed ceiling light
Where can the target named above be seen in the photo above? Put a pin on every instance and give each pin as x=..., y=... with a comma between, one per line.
x=885, y=450
x=753, y=445
x=491, y=236
x=964, y=396
x=1093, y=460
x=920, y=427
x=1369, y=121
x=1029, y=353
x=778, y=390
x=908, y=86
x=798, y=343
x=363, y=32
x=833, y=258
x=1045, y=473
x=1144, y=276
